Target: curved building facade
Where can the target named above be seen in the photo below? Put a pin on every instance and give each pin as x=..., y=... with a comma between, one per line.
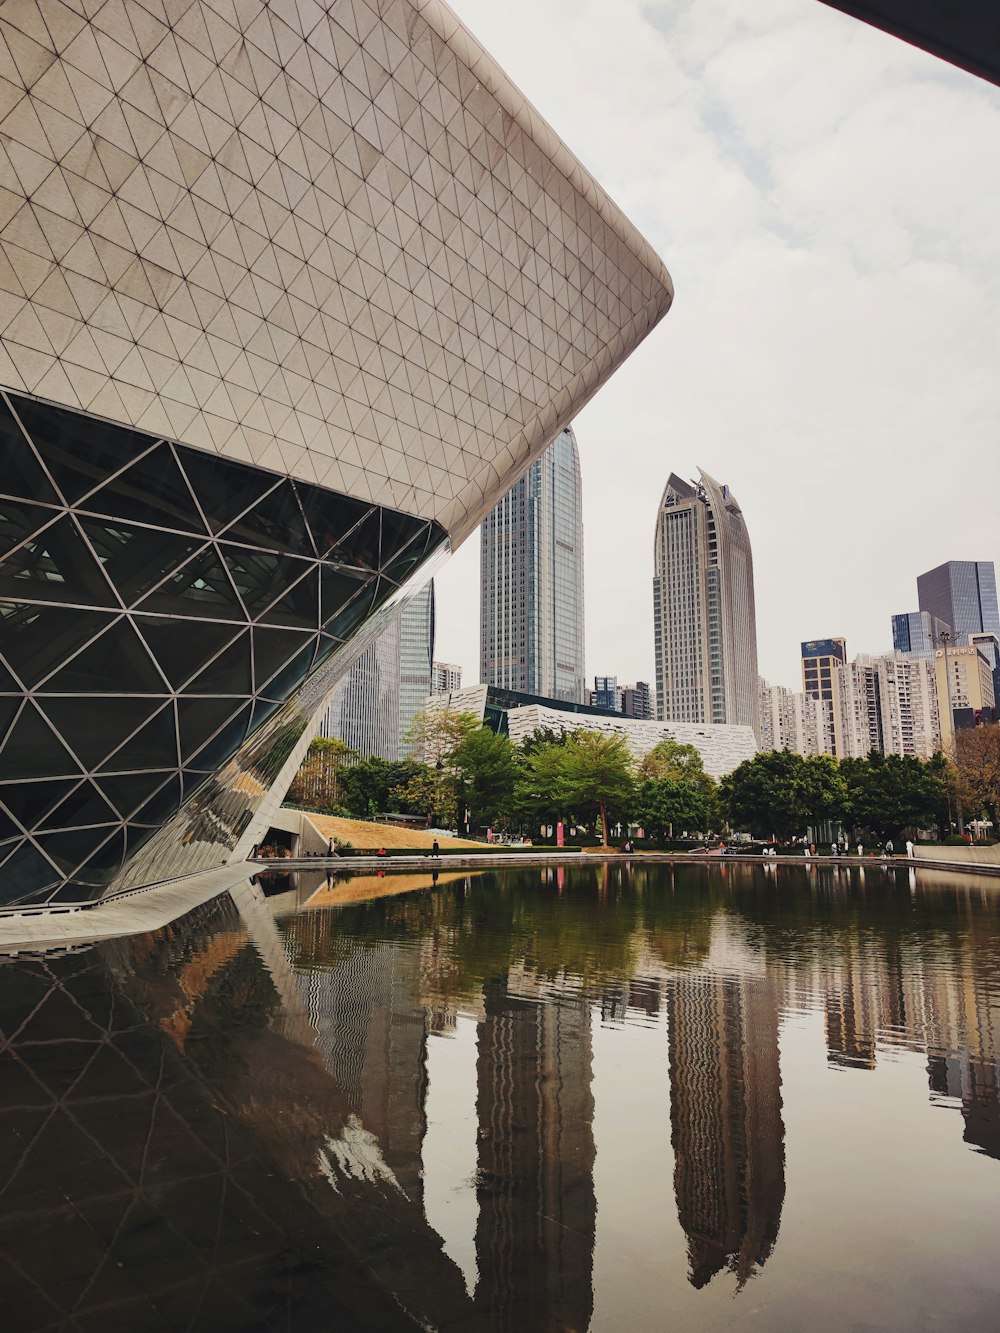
x=705, y=625
x=532, y=580
x=287, y=302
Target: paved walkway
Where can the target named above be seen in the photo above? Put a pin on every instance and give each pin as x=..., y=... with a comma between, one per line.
x=347, y=865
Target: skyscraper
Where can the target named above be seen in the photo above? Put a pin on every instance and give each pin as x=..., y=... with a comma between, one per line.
x=606, y=693
x=374, y=704
x=727, y=1130
x=703, y=607
x=963, y=593
x=821, y=658
x=531, y=636
x=416, y=661
x=535, y=1183
x=917, y=632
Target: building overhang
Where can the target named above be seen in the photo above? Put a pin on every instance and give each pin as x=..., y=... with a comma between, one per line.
x=966, y=33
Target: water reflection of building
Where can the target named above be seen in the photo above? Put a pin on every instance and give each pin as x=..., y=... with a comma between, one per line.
x=372, y=1035
x=537, y=1206
x=851, y=995
x=726, y=1126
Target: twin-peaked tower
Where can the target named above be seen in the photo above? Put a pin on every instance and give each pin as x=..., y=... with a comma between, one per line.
x=705, y=625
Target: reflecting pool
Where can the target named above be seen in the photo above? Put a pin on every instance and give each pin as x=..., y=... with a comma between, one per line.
x=560, y=1099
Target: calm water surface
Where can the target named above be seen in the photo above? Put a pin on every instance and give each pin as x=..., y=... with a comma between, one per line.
x=689, y=1097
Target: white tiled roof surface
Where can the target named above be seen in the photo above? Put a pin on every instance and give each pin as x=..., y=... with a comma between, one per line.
x=330, y=239
x=721, y=746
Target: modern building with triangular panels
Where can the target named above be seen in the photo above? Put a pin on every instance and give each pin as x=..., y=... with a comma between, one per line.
x=291, y=293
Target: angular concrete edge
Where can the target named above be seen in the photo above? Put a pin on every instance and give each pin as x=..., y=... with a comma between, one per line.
x=50, y=929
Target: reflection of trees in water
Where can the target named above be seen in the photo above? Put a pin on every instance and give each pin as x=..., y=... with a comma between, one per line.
x=591, y=934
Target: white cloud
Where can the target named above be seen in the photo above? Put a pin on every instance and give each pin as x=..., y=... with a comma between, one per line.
x=826, y=200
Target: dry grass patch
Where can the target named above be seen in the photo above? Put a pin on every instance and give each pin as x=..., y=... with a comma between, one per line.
x=367, y=836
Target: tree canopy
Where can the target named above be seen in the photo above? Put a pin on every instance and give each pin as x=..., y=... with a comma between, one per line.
x=977, y=761
x=598, y=776
x=464, y=769
x=889, y=793
x=667, y=807
x=783, y=793
x=319, y=781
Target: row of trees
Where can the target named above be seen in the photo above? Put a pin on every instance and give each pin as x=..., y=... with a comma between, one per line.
x=471, y=776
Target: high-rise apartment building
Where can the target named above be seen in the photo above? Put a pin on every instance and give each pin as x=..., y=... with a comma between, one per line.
x=532, y=580
x=965, y=689
x=445, y=677
x=791, y=720
x=887, y=704
x=607, y=693
x=820, y=661
x=963, y=593
x=637, y=700
x=703, y=606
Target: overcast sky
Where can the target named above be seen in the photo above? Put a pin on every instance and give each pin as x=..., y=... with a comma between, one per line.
x=827, y=200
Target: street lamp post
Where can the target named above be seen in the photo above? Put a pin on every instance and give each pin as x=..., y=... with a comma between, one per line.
x=943, y=639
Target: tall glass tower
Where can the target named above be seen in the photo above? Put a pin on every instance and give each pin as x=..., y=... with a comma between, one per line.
x=531, y=636
x=963, y=593
x=374, y=704
x=703, y=607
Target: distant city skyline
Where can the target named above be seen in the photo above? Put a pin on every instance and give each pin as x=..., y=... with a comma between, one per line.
x=830, y=350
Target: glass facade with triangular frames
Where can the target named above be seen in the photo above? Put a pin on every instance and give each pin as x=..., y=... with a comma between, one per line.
x=159, y=608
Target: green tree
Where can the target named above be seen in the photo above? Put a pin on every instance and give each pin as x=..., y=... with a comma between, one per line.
x=783, y=793
x=666, y=805
x=486, y=772
x=598, y=777
x=436, y=734
x=432, y=792
x=318, y=783
x=669, y=759
x=372, y=785
x=538, y=790
x=890, y=793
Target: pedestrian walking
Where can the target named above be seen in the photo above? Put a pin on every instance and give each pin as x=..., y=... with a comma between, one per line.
x=861, y=850
x=888, y=847
x=909, y=849
x=435, y=849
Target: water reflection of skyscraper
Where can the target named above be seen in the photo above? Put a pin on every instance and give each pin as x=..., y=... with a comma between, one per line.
x=372, y=1035
x=537, y=1206
x=726, y=1125
x=933, y=996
